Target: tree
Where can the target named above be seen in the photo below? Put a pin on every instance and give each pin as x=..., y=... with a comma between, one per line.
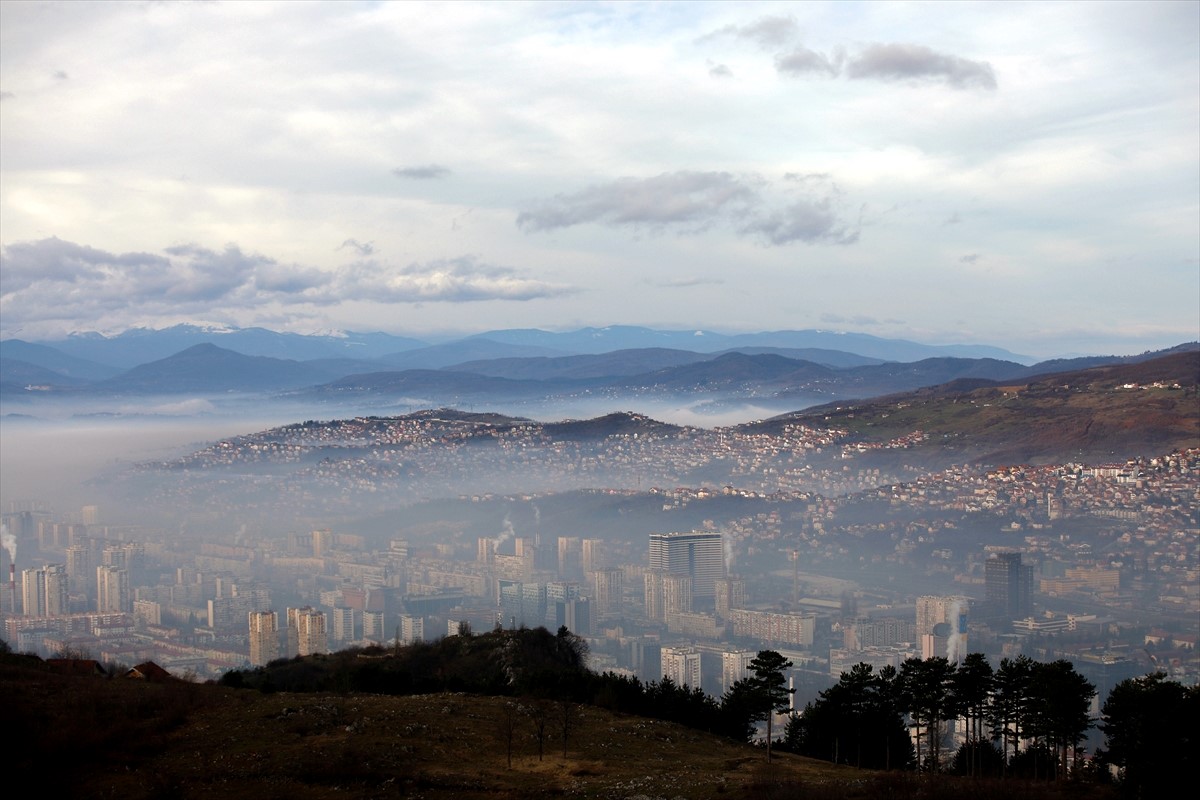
x=1010, y=701
x=770, y=688
x=739, y=709
x=972, y=687
x=889, y=725
x=925, y=692
x=856, y=721
x=1058, y=712
x=1149, y=725
x=572, y=650
x=568, y=719
x=507, y=727
x=538, y=712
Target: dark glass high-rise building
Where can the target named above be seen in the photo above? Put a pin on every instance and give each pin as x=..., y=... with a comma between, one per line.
x=1009, y=585
x=698, y=555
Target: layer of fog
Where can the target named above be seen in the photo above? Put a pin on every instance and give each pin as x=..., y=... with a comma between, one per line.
x=51, y=453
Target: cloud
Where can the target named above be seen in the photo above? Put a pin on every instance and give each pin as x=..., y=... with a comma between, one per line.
x=720, y=71
x=57, y=280
x=692, y=202
x=890, y=62
x=900, y=62
x=693, y=199
x=807, y=177
x=802, y=61
x=458, y=280
x=363, y=248
x=809, y=221
x=59, y=75
x=7, y=95
x=766, y=32
x=57, y=261
x=422, y=173
x=970, y=258
x=683, y=283
x=208, y=275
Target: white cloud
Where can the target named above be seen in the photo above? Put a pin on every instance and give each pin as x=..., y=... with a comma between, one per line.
x=52, y=280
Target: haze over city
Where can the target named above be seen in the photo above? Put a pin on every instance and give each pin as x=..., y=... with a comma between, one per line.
x=1022, y=175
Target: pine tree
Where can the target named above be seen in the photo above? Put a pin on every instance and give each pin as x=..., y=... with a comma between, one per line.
x=770, y=687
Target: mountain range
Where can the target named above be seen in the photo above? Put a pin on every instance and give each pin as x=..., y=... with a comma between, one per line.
x=784, y=370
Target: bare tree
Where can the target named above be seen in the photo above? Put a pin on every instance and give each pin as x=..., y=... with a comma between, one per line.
x=568, y=718
x=507, y=727
x=538, y=712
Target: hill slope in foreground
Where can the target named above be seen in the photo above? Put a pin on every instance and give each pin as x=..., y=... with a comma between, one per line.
x=90, y=736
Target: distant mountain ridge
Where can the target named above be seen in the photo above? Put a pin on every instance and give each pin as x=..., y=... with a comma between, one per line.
x=140, y=345
x=517, y=366
x=618, y=337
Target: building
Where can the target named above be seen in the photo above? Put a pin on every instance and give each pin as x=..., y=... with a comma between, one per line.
x=681, y=665
x=774, y=628
x=866, y=633
x=523, y=604
x=264, y=637
x=306, y=632
x=411, y=629
x=735, y=665
x=575, y=614
x=58, y=594
x=1009, y=585
x=941, y=626
x=516, y=567
x=730, y=594
x=33, y=592
x=569, y=558
x=677, y=594
x=841, y=660
x=652, y=583
x=607, y=589
x=591, y=555
x=700, y=556
x=343, y=624
x=374, y=629
x=79, y=569
x=112, y=589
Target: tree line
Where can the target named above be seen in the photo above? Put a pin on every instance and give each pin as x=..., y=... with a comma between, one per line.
x=1024, y=718
x=1021, y=719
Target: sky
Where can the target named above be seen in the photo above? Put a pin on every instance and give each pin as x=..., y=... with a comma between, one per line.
x=1022, y=175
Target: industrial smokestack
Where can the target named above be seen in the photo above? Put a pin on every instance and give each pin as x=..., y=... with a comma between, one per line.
x=9, y=542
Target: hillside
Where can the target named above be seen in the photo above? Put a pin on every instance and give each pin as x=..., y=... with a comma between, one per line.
x=134, y=739
x=95, y=736
x=1114, y=411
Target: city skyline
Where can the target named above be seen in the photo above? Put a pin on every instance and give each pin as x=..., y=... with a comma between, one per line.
x=1023, y=176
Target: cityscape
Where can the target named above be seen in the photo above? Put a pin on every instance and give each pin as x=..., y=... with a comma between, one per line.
x=1097, y=563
